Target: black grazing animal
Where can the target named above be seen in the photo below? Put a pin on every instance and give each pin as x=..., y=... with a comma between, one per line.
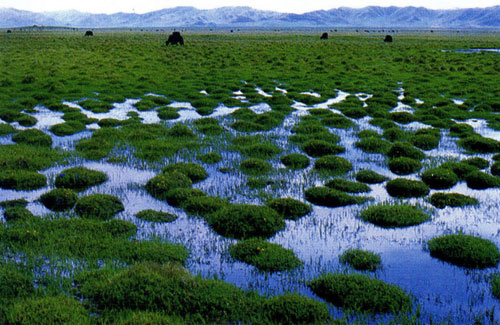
x=175, y=38
x=9, y=31
x=388, y=39
x=324, y=36
x=89, y=33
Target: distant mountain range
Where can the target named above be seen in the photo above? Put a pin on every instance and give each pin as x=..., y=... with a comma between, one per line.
x=246, y=17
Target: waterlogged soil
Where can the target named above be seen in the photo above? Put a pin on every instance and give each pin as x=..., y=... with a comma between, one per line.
x=442, y=291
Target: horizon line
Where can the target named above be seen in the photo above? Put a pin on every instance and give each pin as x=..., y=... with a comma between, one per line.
x=266, y=10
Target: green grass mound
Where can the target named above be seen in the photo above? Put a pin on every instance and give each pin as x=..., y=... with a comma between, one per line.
x=21, y=180
x=348, y=186
x=442, y=200
x=178, y=196
x=382, y=123
x=49, y=310
x=208, y=126
x=204, y=205
x=370, y=177
x=320, y=148
x=495, y=285
x=261, y=150
x=325, y=196
x=169, y=288
x=296, y=161
x=405, y=149
x=98, y=206
x=425, y=141
x=368, y=134
x=404, y=165
x=109, y=123
x=265, y=256
x=465, y=250
x=155, y=216
x=22, y=203
x=25, y=157
x=477, y=162
x=459, y=168
x=195, y=172
x=167, y=113
x=149, y=102
x=255, y=166
x=337, y=121
x=12, y=214
x=373, y=145
x=258, y=182
x=478, y=144
x=479, y=180
x=405, y=188
x=495, y=168
x=33, y=137
x=439, y=178
x=361, y=260
x=402, y=117
x=210, y=158
x=332, y=165
x=14, y=282
x=361, y=293
x=89, y=239
x=80, y=178
x=144, y=317
x=461, y=130
x=59, y=199
x=95, y=106
x=295, y=309
x=242, y=221
x=160, y=185
x=289, y=208
x=394, y=216
x=68, y=128
x=180, y=131
x=6, y=129
x=395, y=134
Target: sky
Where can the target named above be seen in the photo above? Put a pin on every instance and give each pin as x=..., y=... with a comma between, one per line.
x=289, y=6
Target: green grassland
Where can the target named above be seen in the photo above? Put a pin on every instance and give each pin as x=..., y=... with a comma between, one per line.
x=91, y=267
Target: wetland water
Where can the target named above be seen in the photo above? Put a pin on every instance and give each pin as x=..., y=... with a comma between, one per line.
x=443, y=291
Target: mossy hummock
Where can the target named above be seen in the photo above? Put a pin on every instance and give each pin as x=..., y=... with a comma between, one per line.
x=361, y=260
x=59, y=199
x=361, y=293
x=80, y=178
x=405, y=188
x=289, y=208
x=265, y=256
x=242, y=221
x=99, y=206
x=465, y=250
x=394, y=216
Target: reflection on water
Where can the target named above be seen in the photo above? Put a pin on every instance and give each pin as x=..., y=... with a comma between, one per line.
x=444, y=292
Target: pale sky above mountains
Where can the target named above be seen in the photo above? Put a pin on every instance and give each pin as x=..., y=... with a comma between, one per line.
x=288, y=6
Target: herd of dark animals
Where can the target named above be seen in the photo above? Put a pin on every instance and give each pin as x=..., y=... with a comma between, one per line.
x=176, y=38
